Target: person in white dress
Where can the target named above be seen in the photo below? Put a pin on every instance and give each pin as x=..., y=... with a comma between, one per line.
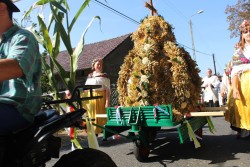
x=220, y=97
x=210, y=83
x=98, y=106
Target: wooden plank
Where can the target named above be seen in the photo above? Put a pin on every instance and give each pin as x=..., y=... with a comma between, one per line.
x=202, y=114
x=214, y=108
x=101, y=115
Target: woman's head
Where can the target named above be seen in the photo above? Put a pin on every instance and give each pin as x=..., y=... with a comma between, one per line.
x=244, y=33
x=97, y=65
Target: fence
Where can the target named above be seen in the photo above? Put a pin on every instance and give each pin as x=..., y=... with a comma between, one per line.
x=113, y=95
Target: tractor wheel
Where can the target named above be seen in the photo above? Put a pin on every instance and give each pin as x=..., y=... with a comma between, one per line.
x=85, y=157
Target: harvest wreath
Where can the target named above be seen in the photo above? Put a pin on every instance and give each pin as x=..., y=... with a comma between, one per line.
x=159, y=71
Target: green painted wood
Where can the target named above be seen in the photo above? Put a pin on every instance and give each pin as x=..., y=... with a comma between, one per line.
x=195, y=122
x=141, y=116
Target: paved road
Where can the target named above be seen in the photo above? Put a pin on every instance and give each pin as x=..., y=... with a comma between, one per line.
x=221, y=149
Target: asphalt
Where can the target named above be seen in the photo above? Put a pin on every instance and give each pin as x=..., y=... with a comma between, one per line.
x=221, y=149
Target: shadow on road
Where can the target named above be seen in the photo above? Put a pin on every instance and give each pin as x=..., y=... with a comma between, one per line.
x=216, y=149
x=113, y=142
x=219, y=149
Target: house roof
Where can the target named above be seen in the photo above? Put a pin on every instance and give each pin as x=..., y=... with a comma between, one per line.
x=91, y=51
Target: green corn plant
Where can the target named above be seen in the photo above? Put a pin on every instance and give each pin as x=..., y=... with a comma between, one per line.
x=61, y=29
x=60, y=32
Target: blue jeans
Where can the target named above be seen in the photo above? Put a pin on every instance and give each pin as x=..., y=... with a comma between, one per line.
x=11, y=120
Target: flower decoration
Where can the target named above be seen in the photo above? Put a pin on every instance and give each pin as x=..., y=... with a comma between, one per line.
x=144, y=78
x=239, y=58
x=145, y=60
x=146, y=47
x=244, y=60
x=244, y=25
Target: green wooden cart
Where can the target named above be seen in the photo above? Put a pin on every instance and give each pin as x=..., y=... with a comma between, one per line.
x=144, y=122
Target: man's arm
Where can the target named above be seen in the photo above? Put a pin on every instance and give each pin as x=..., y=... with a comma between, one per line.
x=204, y=82
x=215, y=82
x=9, y=69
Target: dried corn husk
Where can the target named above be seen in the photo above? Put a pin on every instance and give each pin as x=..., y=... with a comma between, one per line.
x=158, y=71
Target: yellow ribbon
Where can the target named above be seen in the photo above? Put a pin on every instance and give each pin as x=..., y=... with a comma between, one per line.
x=92, y=140
x=210, y=125
x=192, y=135
x=76, y=143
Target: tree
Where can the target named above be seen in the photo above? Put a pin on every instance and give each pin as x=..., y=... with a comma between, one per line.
x=236, y=14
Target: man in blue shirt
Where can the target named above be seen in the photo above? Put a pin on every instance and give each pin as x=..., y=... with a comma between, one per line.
x=20, y=72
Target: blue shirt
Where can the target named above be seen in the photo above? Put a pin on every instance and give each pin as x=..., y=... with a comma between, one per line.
x=24, y=93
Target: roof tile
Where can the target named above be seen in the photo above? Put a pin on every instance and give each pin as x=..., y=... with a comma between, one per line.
x=91, y=51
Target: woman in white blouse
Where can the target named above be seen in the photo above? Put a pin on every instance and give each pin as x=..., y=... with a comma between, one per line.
x=98, y=106
x=239, y=97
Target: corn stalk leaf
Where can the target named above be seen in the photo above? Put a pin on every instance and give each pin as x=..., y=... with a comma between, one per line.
x=47, y=41
x=79, y=49
x=64, y=35
x=58, y=6
x=48, y=45
x=42, y=2
x=78, y=14
x=50, y=74
x=56, y=38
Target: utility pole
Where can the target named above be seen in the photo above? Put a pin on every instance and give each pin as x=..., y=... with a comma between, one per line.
x=214, y=65
x=191, y=30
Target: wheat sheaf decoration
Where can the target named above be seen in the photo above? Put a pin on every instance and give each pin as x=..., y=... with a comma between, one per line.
x=158, y=71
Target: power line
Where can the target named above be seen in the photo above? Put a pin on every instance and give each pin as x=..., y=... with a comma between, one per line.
x=136, y=22
x=195, y=50
x=117, y=12
x=174, y=8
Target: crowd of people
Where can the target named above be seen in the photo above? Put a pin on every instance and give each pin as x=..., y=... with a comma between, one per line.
x=232, y=89
x=20, y=64
x=23, y=101
x=228, y=90
x=215, y=89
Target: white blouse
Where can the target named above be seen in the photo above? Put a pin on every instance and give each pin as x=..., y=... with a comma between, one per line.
x=242, y=67
x=98, y=79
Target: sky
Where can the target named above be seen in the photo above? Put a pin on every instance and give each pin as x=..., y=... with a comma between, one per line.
x=210, y=28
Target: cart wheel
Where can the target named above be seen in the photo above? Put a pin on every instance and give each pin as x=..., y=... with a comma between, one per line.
x=151, y=134
x=140, y=151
